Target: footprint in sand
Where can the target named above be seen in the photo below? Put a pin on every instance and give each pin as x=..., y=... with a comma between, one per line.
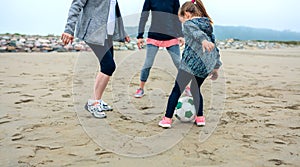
x=27, y=95
x=294, y=128
x=240, y=95
x=293, y=107
x=5, y=119
x=278, y=162
x=270, y=125
x=24, y=101
x=17, y=136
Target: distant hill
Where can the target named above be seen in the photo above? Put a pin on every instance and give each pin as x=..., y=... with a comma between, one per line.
x=243, y=33
x=248, y=33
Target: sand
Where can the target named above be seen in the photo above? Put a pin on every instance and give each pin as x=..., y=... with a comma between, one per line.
x=252, y=112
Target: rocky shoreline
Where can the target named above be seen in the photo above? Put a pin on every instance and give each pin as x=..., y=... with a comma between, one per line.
x=29, y=43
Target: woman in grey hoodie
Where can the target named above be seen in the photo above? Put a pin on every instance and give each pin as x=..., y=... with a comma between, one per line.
x=97, y=23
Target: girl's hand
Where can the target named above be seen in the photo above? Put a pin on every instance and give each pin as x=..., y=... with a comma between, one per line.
x=67, y=38
x=127, y=39
x=206, y=45
x=181, y=41
x=214, y=74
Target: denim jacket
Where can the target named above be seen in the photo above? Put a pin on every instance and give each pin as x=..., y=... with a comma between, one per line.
x=90, y=19
x=194, y=60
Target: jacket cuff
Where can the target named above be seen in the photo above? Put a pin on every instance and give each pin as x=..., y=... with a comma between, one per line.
x=69, y=32
x=140, y=36
x=218, y=65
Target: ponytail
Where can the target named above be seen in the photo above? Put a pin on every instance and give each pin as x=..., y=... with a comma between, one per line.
x=196, y=8
x=202, y=9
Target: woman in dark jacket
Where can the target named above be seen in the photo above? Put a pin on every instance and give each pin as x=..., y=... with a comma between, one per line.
x=165, y=31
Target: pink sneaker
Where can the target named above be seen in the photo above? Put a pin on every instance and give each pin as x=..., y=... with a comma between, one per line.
x=165, y=122
x=200, y=121
x=139, y=93
x=187, y=91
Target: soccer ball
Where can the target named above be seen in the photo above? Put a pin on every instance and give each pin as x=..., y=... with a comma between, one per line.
x=185, y=110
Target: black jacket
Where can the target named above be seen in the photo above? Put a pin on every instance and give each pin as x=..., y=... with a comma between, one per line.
x=165, y=24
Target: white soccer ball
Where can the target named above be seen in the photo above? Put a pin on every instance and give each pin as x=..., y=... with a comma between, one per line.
x=185, y=110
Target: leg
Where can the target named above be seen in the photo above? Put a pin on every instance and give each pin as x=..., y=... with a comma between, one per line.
x=150, y=56
x=100, y=85
x=107, y=65
x=182, y=79
x=196, y=93
x=105, y=56
x=174, y=52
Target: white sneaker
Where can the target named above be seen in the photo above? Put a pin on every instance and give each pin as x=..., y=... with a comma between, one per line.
x=105, y=106
x=94, y=107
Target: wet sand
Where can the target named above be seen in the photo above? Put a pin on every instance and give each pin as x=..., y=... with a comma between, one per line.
x=253, y=116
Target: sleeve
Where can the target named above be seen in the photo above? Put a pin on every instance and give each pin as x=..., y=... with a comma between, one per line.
x=73, y=15
x=178, y=25
x=144, y=18
x=219, y=62
x=194, y=31
x=213, y=38
x=120, y=28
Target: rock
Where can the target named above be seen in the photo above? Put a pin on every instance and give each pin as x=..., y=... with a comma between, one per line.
x=6, y=37
x=130, y=46
x=78, y=47
x=47, y=49
x=28, y=43
x=3, y=49
x=19, y=44
x=61, y=49
x=27, y=50
x=123, y=48
x=11, y=49
x=35, y=49
x=23, y=40
x=12, y=43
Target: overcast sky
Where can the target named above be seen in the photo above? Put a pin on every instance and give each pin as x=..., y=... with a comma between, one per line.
x=49, y=16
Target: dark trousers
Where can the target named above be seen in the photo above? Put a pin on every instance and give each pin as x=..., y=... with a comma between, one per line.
x=105, y=55
x=182, y=80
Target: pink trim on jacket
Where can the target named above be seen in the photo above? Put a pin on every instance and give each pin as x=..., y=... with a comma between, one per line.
x=167, y=43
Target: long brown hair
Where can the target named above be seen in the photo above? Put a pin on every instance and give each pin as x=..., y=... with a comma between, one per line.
x=196, y=9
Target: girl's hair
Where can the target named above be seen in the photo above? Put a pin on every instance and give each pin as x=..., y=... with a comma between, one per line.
x=196, y=9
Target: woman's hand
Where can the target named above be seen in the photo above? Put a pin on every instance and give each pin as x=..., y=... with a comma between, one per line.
x=206, y=45
x=140, y=43
x=67, y=38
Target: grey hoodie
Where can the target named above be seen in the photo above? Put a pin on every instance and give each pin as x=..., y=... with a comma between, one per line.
x=90, y=19
x=194, y=60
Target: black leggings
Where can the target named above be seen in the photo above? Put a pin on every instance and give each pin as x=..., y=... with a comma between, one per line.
x=105, y=55
x=182, y=79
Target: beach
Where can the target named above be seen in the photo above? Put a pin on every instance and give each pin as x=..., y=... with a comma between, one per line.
x=252, y=112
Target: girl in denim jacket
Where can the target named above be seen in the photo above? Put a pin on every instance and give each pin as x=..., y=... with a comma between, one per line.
x=200, y=59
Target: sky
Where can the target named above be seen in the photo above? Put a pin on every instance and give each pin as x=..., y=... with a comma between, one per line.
x=45, y=17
